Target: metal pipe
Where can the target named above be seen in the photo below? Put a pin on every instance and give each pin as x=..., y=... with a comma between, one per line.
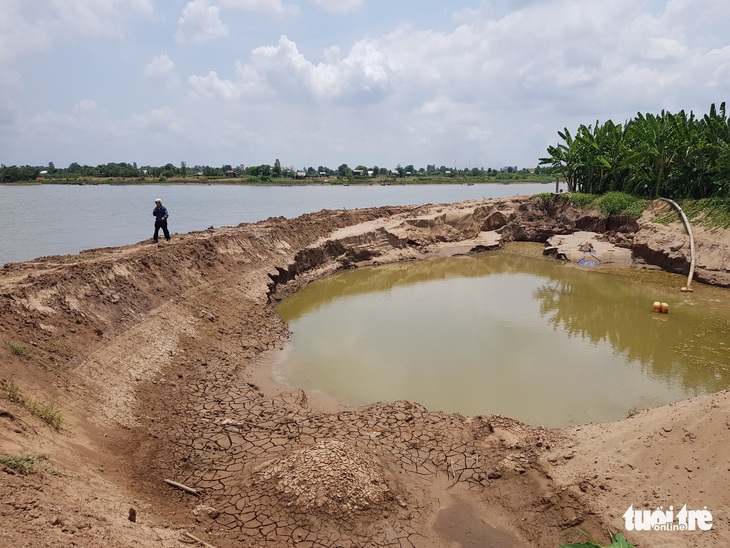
x=691, y=242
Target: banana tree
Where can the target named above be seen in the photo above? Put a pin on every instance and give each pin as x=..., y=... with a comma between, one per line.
x=564, y=159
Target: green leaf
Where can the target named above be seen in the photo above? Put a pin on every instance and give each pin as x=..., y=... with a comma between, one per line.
x=619, y=541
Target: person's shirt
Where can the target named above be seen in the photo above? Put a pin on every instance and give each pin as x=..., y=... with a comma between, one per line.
x=160, y=213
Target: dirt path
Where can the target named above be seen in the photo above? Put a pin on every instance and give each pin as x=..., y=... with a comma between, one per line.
x=150, y=353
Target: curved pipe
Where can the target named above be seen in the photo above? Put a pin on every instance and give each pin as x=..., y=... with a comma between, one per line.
x=691, y=242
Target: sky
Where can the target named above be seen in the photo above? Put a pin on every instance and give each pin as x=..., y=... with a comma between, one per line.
x=324, y=82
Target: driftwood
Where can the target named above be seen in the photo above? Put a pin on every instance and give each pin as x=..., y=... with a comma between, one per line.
x=182, y=487
x=196, y=539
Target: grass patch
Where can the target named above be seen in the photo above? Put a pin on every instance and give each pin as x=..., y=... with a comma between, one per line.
x=583, y=201
x=47, y=412
x=707, y=212
x=711, y=212
x=610, y=203
x=618, y=203
x=11, y=389
x=18, y=349
x=27, y=463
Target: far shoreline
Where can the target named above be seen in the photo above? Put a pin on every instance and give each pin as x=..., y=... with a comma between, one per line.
x=251, y=181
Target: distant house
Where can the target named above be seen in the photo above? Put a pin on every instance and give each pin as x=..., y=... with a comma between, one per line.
x=300, y=175
x=357, y=172
x=231, y=174
x=448, y=173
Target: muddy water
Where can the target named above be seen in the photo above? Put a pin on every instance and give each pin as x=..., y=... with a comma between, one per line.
x=509, y=333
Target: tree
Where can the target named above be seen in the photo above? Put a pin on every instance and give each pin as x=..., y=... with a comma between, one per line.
x=344, y=171
x=169, y=171
x=183, y=169
x=276, y=172
x=667, y=155
x=13, y=174
x=564, y=158
x=265, y=171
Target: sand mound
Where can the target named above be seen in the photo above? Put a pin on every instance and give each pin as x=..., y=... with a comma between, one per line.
x=330, y=477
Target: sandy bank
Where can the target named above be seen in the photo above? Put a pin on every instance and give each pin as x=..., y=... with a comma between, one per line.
x=148, y=352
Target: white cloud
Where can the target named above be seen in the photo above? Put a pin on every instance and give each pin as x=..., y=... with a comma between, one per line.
x=718, y=65
x=339, y=6
x=212, y=87
x=19, y=33
x=275, y=8
x=665, y=49
x=9, y=112
x=86, y=109
x=162, y=69
x=29, y=27
x=363, y=75
x=86, y=119
x=200, y=22
x=161, y=120
x=490, y=82
x=100, y=17
x=145, y=7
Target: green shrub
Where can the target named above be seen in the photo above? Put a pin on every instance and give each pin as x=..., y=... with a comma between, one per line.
x=18, y=349
x=712, y=212
x=610, y=203
x=11, y=389
x=47, y=412
x=619, y=203
x=617, y=541
x=584, y=201
x=27, y=463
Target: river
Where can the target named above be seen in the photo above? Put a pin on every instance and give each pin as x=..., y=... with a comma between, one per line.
x=42, y=220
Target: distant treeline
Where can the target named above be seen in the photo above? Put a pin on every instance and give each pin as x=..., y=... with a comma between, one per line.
x=259, y=173
x=666, y=155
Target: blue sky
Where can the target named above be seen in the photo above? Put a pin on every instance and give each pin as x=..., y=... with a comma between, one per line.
x=326, y=82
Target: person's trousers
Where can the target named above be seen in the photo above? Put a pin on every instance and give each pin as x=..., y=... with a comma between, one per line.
x=161, y=225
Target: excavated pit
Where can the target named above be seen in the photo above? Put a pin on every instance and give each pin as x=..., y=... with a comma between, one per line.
x=149, y=351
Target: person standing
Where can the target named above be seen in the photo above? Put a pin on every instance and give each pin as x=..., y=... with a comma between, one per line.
x=161, y=215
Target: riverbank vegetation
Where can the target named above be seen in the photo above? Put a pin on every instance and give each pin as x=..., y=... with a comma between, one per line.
x=667, y=155
x=611, y=203
x=708, y=212
x=125, y=173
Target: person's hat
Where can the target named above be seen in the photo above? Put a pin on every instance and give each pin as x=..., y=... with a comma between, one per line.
x=158, y=201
